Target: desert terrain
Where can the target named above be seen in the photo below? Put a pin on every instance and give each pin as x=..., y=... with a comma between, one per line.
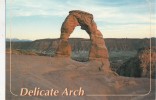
x=29, y=71
x=120, y=50
x=34, y=64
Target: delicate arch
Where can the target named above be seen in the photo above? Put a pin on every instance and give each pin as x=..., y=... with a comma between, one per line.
x=75, y=18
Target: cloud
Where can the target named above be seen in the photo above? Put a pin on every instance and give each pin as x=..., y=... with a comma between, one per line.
x=113, y=12
x=111, y=16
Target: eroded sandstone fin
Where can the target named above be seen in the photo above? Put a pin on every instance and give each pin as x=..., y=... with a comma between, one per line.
x=98, y=51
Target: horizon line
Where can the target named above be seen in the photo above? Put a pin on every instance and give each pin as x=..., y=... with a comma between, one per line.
x=81, y=38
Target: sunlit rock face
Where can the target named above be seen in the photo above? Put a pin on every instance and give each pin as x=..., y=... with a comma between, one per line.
x=98, y=50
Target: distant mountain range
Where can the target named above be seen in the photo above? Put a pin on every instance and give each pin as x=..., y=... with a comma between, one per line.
x=17, y=40
x=120, y=50
x=79, y=44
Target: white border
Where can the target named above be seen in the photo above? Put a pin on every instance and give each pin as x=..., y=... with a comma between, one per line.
x=2, y=49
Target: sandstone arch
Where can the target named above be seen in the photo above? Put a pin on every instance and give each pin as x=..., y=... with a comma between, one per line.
x=98, y=49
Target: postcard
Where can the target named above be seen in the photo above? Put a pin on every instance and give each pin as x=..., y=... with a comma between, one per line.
x=80, y=50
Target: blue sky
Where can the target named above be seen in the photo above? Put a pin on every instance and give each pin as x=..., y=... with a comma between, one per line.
x=38, y=19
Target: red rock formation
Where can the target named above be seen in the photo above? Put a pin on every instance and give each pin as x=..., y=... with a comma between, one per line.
x=98, y=49
x=142, y=65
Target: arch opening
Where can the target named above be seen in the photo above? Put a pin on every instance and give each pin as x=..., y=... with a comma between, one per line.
x=79, y=33
x=80, y=44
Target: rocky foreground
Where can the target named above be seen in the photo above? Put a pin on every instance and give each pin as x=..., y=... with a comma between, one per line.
x=29, y=71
